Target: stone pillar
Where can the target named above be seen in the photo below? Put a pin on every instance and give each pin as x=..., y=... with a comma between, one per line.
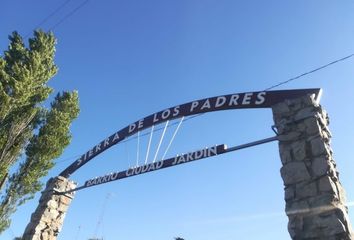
x=315, y=199
x=46, y=222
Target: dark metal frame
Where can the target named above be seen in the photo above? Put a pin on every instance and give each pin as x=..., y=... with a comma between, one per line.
x=263, y=99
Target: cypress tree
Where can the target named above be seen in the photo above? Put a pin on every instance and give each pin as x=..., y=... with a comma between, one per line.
x=31, y=135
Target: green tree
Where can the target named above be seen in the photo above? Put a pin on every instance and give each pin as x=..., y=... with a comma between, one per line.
x=31, y=135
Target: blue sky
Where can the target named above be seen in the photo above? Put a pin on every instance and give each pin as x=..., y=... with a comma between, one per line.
x=129, y=59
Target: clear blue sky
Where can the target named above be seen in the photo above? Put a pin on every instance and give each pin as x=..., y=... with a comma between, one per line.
x=131, y=58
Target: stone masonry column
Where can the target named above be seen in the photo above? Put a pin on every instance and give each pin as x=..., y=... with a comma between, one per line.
x=315, y=199
x=47, y=220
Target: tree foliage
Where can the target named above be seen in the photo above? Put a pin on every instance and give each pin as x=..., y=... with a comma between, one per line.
x=31, y=135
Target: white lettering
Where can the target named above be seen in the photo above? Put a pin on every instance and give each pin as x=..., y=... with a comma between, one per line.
x=98, y=147
x=144, y=168
x=234, y=99
x=88, y=183
x=199, y=154
x=132, y=127
x=84, y=156
x=141, y=123
x=151, y=167
x=79, y=162
x=165, y=114
x=98, y=181
x=137, y=170
x=205, y=105
x=175, y=160
x=155, y=118
x=176, y=111
x=106, y=142
x=220, y=101
x=260, y=98
x=82, y=159
x=114, y=176
x=190, y=157
x=90, y=153
x=105, y=179
x=116, y=137
x=181, y=159
x=129, y=172
x=212, y=151
x=159, y=164
x=194, y=105
x=247, y=98
x=93, y=181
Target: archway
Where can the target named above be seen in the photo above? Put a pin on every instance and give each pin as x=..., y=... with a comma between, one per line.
x=313, y=194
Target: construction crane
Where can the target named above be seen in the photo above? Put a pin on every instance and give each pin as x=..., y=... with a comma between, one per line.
x=100, y=218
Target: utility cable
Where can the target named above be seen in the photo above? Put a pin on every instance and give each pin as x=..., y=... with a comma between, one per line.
x=267, y=89
x=71, y=13
x=49, y=16
x=309, y=72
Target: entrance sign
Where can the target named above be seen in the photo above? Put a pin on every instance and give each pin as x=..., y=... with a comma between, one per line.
x=263, y=99
x=295, y=172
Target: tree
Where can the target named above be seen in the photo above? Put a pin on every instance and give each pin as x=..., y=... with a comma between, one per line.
x=31, y=135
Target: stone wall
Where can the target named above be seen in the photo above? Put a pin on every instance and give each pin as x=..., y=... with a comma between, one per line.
x=315, y=199
x=47, y=220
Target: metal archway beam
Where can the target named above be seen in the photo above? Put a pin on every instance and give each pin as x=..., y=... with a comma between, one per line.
x=263, y=99
x=166, y=163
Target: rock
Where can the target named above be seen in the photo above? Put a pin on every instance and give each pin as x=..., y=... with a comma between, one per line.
x=294, y=172
x=304, y=190
x=284, y=152
x=295, y=226
x=297, y=208
x=47, y=220
x=314, y=196
x=304, y=113
x=299, y=150
x=312, y=126
x=289, y=193
x=281, y=109
x=318, y=146
x=320, y=166
x=329, y=224
x=291, y=136
x=326, y=184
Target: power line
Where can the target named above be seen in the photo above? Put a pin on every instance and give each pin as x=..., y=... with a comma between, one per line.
x=67, y=159
x=309, y=72
x=267, y=89
x=71, y=13
x=50, y=16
